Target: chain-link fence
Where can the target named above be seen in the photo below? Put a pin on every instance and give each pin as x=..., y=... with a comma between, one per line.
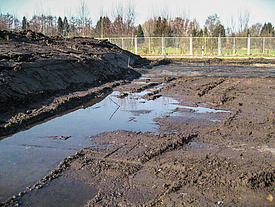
x=197, y=46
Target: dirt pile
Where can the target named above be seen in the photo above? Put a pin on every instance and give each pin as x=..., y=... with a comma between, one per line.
x=34, y=67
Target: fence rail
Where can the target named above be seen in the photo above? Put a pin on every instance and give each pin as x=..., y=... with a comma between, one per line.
x=197, y=46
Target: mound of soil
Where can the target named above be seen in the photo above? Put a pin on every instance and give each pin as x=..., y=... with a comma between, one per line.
x=34, y=67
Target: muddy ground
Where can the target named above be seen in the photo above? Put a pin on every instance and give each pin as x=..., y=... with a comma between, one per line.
x=36, y=69
x=193, y=161
x=213, y=159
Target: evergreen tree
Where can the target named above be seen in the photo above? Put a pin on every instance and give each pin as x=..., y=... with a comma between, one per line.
x=60, y=26
x=219, y=30
x=103, y=27
x=162, y=28
x=66, y=26
x=194, y=32
x=24, y=23
x=267, y=30
x=205, y=32
x=139, y=31
x=200, y=33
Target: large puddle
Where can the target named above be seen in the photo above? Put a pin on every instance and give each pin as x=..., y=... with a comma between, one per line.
x=29, y=155
x=61, y=192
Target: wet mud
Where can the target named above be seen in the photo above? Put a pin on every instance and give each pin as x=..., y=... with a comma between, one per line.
x=222, y=156
x=40, y=75
x=216, y=148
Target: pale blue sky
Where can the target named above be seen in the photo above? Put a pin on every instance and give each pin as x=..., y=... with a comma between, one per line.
x=260, y=10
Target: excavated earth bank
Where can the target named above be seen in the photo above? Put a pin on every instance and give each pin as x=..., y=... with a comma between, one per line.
x=209, y=159
x=39, y=75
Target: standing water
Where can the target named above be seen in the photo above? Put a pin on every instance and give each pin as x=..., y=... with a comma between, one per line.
x=29, y=155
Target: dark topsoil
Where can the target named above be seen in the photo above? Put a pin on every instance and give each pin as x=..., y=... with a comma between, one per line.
x=194, y=160
x=36, y=69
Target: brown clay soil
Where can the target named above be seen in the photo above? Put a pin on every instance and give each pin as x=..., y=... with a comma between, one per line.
x=193, y=160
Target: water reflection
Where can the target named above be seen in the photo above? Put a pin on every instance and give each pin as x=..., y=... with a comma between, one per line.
x=29, y=155
x=200, y=109
x=60, y=192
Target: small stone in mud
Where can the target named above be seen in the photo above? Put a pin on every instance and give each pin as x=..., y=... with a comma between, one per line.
x=151, y=96
x=64, y=137
x=168, y=79
x=122, y=95
x=270, y=198
x=131, y=119
x=166, y=186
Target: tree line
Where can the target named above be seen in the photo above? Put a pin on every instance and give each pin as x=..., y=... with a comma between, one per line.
x=123, y=26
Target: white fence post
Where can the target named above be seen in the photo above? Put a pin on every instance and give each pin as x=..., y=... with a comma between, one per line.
x=234, y=47
x=205, y=45
x=263, y=45
x=248, y=45
x=149, y=45
x=191, y=45
x=180, y=45
x=163, y=47
x=136, y=45
x=220, y=45
x=177, y=44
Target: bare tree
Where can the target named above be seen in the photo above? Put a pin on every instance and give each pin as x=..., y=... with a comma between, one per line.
x=255, y=29
x=73, y=26
x=83, y=20
x=178, y=27
x=124, y=19
x=118, y=11
x=42, y=19
x=118, y=26
x=233, y=27
x=130, y=19
x=118, y=23
x=101, y=22
x=34, y=24
x=2, y=22
x=9, y=21
x=50, y=25
x=211, y=23
x=16, y=24
x=243, y=22
x=148, y=28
